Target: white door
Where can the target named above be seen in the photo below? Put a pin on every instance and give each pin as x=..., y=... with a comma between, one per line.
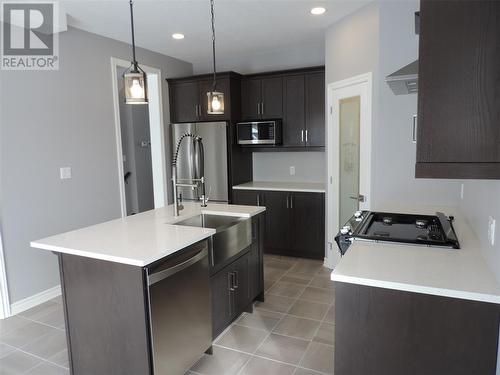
x=349, y=154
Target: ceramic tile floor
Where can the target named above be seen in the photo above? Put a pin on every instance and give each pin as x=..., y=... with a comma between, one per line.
x=290, y=333
x=34, y=342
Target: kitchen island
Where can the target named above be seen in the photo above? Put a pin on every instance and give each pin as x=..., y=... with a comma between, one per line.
x=142, y=294
x=406, y=309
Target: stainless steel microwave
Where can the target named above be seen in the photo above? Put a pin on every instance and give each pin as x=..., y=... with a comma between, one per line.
x=259, y=132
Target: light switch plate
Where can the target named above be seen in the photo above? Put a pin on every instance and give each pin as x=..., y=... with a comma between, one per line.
x=292, y=171
x=65, y=173
x=491, y=230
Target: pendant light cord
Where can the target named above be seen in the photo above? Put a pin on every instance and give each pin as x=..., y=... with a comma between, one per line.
x=213, y=41
x=133, y=34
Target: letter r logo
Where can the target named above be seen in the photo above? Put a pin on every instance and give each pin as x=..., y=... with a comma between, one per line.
x=28, y=29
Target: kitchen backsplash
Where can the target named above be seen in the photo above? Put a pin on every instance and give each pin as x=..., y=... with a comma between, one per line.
x=275, y=166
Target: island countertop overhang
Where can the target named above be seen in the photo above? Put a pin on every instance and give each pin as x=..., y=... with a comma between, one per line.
x=141, y=239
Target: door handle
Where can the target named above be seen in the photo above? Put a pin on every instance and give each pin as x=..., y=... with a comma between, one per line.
x=359, y=198
x=230, y=282
x=287, y=204
x=307, y=131
x=262, y=108
x=291, y=201
x=302, y=135
x=258, y=199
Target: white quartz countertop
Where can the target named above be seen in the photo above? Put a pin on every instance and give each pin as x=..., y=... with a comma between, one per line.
x=140, y=239
x=461, y=273
x=308, y=187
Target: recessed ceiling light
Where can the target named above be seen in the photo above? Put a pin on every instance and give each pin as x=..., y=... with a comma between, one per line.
x=178, y=36
x=317, y=11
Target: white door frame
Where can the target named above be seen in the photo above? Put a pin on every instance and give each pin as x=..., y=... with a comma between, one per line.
x=360, y=85
x=157, y=133
x=5, y=311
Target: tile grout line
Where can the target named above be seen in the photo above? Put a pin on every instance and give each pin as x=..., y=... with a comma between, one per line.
x=295, y=300
x=271, y=331
x=35, y=356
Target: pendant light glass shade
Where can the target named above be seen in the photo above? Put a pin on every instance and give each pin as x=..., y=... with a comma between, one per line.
x=136, y=85
x=134, y=78
x=215, y=98
x=215, y=103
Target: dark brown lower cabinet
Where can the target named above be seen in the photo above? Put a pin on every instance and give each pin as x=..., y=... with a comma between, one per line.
x=295, y=221
x=239, y=283
x=390, y=332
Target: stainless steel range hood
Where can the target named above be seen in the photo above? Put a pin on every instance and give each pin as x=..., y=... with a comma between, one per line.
x=405, y=80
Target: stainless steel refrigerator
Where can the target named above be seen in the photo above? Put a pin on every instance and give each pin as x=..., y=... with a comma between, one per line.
x=214, y=137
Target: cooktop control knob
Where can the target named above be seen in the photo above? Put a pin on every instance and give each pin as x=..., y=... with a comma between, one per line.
x=358, y=214
x=345, y=230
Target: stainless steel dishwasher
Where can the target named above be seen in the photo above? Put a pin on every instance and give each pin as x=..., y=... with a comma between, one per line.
x=180, y=310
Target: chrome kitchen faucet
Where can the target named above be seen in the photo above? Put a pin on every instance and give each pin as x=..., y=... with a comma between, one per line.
x=199, y=171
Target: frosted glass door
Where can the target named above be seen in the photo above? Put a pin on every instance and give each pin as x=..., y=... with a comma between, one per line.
x=349, y=121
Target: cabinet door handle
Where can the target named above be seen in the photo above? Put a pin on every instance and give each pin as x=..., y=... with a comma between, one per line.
x=262, y=108
x=230, y=281
x=236, y=281
x=258, y=199
x=287, y=200
x=307, y=131
x=258, y=108
x=302, y=135
x=414, y=130
x=291, y=201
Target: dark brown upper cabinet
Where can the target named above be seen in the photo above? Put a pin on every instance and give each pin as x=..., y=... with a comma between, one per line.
x=304, y=110
x=294, y=116
x=189, y=102
x=315, y=109
x=459, y=95
x=262, y=98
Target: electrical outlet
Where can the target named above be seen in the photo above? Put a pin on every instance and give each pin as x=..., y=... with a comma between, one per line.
x=65, y=173
x=462, y=191
x=491, y=230
x=292, y=171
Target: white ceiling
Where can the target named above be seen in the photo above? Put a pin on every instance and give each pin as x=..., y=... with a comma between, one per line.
x=244, y=28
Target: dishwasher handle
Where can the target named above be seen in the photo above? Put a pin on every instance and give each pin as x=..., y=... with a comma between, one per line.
x=163, y=274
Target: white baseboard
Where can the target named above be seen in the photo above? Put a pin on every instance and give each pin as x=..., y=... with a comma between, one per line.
x=34, y=300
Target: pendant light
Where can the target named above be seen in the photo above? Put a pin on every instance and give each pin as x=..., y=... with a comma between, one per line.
x=215, y=98
x=134, y=78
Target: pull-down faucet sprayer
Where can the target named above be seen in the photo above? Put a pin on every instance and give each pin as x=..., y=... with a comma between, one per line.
x=199, y=171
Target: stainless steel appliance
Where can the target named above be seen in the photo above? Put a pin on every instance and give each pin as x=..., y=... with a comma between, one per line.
x=180, y=310
x=425, y=230
x=214, y=137
x=259, y=132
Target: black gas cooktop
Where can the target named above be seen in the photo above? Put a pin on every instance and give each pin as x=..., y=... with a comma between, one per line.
x=426, y=230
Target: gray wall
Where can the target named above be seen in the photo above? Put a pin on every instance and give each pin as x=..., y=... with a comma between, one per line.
x=275, y=166
x=380, y=38
x=55, y=119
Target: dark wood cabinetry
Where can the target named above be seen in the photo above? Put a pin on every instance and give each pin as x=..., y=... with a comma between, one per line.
x=239, y=283
x=295, y=221
x=412, y=333
x=304, y=115
x=315, y=109
x=294, y=117
x=459, y=99
x=262, y=98
x=189, y=101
